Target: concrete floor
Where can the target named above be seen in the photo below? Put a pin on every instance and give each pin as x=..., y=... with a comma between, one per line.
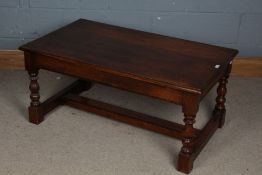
x=70, y=141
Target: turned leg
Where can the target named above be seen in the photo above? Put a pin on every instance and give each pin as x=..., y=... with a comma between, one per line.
x=220, y=109
x=185, y=159
x=35, y=111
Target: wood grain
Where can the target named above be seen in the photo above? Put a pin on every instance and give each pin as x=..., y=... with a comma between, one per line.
x=11, y=59
x=245, y=67
x=168, y=62
x=146, y=63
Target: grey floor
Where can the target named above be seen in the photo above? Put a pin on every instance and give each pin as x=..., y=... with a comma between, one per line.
x=70, y=141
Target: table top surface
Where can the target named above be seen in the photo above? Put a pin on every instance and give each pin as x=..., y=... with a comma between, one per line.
x=162, y=60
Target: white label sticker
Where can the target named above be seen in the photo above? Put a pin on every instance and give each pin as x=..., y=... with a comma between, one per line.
x=217, y=66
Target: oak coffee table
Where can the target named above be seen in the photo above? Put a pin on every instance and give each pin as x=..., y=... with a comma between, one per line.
x=170, y=69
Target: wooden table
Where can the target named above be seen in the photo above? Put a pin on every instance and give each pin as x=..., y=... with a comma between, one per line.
x=171, y=69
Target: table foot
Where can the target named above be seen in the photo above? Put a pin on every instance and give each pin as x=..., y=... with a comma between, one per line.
x=221, y=114
x=37, y=110
x=35, y=115
x=185, y=163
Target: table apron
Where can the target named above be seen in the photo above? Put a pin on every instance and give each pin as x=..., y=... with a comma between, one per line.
x=90, y=73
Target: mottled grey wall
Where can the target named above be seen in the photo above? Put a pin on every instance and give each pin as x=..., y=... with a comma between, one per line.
x=231, y=23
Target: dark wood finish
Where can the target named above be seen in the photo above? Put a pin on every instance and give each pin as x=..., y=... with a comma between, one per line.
x=242, y=66
x=125, y=83
x=221, y=96
x=127, y=116
x=185, y=65
x=35, y=112
x=170, y=69
x=190, y=108
x=56, y=100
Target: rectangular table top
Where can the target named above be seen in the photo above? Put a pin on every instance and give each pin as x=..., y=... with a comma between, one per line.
x=167, y=61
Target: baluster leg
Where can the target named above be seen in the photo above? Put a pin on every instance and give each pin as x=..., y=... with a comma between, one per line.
x=185, y=159
x=35, y=111
x=220, y=109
